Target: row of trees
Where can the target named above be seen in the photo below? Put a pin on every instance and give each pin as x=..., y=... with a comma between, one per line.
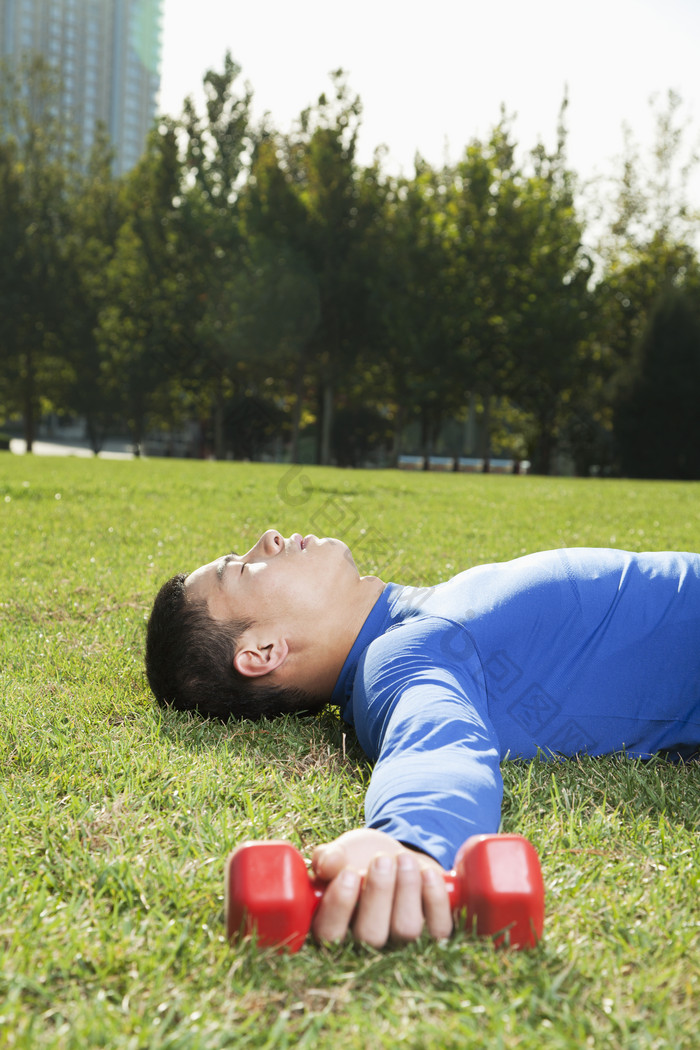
x=269, y=283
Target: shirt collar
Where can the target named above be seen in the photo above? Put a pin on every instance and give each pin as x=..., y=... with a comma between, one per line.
x=373, y=627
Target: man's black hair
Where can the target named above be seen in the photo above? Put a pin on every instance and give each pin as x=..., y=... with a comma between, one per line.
x=189, y=662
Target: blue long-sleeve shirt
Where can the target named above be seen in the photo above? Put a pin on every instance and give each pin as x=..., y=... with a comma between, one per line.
x=565, y=652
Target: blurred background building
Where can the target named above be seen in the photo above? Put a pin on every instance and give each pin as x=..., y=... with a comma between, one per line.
x=107, y=55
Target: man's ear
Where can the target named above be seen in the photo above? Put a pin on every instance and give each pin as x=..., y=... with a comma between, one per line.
x=254, y=661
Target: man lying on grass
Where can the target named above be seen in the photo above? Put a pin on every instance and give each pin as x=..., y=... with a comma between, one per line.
x=565, y=652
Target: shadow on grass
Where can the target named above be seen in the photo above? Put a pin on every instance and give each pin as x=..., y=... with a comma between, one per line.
x=634, y=788
x=286, y=736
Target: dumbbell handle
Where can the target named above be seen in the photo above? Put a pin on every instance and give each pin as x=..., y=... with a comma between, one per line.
x=496, y=887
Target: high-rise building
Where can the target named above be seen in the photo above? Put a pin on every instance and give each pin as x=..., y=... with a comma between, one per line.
x=107, y=55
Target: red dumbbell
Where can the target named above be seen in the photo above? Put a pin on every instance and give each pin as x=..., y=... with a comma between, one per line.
x=496, y=888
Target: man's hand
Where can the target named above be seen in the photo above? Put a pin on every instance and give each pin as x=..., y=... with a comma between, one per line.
x=403, y=891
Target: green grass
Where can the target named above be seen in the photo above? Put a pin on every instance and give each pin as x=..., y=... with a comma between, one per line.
x=117, y=818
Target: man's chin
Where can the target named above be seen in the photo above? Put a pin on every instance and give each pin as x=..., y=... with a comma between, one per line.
x=333, y=542
x=347, y=553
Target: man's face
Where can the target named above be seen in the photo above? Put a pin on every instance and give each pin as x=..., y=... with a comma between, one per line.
x=291, y=580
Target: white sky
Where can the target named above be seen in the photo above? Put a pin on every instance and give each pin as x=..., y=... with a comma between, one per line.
x=433, y=75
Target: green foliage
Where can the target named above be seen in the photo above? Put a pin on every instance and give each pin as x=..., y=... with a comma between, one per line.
x=117, y=817
x=143, y=323
x=517, y=244
x=97, y=214
x=657, y=425
x=35, y=176
x=218, y=141
x=415, y=312
x=652, y=198
x=212, y=251
x=338, y=206
x=648, y=250
x=238, y=266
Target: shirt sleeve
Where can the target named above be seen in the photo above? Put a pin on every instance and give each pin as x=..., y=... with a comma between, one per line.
x=420, y=709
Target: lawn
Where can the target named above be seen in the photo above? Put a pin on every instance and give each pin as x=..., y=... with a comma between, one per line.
x=117, y=817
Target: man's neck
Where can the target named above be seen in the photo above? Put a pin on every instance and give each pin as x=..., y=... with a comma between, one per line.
x=323, y=666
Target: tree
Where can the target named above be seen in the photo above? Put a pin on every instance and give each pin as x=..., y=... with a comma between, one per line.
x=489, y=258
x=12, y=226
x=143, y=323
x=34, y=219
x=651, y=194
x=519, y=281
x=97, y=214
x=648, y=250
x=657, y=424
x=414, y=328
x=218, y=147
x=551, y=330
x=339, y=206
x=285, y=294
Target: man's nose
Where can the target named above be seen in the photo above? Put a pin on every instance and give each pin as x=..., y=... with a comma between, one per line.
x=271, y=542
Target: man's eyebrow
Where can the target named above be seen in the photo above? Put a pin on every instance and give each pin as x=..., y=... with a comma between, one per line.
x=223, y=562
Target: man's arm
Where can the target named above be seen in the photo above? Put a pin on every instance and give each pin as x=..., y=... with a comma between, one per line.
x=380, y=890
x=420, y=711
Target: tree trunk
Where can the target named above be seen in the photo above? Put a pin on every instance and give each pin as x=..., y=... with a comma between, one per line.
x=425, y=432
x=296, y=428
x=137, y=428
x=485, y=436
x=470, y=428
x=326, y=423
x=296, y=414
x=94, y=432
x=29, y=402
x=545, y=448
x=397, y=437
x=218, y=413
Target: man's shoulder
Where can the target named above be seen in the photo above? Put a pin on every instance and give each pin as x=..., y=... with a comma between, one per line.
x=412, y=646
x=415, y=666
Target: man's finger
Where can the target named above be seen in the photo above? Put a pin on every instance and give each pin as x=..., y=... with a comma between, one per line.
x=328, y=861
x=335, y=911
x=436, y=904
x=373, y=920
x=407, y=914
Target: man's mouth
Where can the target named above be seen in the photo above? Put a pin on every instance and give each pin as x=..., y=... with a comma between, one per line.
x=303, y=542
